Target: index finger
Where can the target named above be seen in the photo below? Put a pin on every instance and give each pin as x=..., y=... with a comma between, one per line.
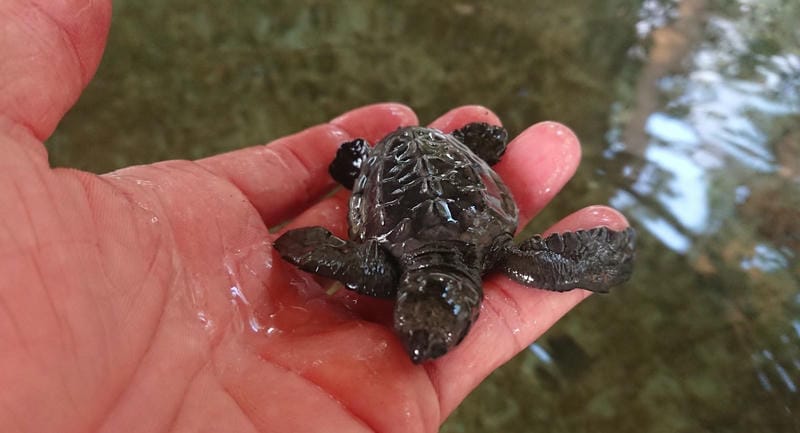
x=287, y=175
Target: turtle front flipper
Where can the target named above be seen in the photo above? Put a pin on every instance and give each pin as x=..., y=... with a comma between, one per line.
x=485, y=140
x=365, y=268
x=347, y=164
x=593, y=259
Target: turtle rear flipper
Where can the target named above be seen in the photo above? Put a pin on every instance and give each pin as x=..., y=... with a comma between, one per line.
x=485, y=140
x=593, y=259
x=347, y=164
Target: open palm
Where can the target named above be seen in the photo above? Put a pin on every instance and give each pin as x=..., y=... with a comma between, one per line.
x=150, y=298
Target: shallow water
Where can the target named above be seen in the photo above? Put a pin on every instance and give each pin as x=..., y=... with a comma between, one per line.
x=689, y=112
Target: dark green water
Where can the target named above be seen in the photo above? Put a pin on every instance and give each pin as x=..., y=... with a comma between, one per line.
x=689, y=112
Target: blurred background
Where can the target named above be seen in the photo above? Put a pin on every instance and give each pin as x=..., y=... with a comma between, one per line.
x=689, y=113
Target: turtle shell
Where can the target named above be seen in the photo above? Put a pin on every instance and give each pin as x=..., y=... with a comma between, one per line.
x=420, y=186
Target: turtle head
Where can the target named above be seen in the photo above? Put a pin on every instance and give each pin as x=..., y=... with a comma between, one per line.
x=434, y=311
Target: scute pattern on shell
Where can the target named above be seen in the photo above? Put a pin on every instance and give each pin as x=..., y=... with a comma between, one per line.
x=420, y=184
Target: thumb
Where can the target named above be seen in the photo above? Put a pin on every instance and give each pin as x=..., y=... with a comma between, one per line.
x=49, y=50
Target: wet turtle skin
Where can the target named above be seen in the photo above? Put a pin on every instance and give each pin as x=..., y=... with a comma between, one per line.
x=428, y=219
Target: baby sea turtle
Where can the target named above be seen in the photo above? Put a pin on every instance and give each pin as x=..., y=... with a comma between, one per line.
x=428, y=218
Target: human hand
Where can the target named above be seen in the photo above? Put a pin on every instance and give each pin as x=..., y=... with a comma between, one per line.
x=150, y=298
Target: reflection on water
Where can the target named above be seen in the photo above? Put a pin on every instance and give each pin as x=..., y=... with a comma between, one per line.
x=689, y=112
x=718, y=183
x=715, y=121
